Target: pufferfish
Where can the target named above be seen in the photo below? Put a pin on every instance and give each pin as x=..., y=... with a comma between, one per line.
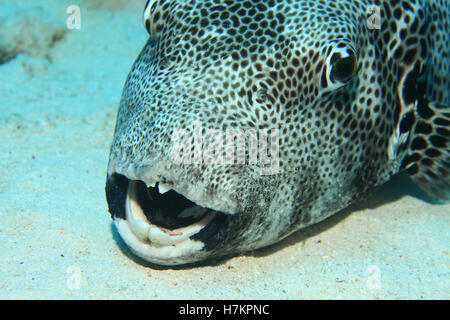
x=323, y=100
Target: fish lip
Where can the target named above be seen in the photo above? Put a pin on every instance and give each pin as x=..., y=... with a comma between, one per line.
x=211, y=235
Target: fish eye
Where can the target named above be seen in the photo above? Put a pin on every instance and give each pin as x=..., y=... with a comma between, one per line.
x=343, y=68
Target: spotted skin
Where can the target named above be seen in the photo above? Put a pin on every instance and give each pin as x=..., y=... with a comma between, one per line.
x=354, y=106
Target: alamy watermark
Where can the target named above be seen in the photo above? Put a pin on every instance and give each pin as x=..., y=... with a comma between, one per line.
x=373, y=281
x=374, y=19
x=74, y=19
x=231, y=147
x=74, y=280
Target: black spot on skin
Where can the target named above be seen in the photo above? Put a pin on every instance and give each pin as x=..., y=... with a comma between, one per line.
x=323, y=80
x=414, y=26
x=280, y=18
x=410, y=92
x=396, y=114
x=424, y=29
x=438, y=141
x=398, y=53
x=397, y=13
x=415, y=157
x=204, y=23
x=403, y=34
x=424, y=110
x=426, y=162
x=407, y=6
x=433, y=153
x=442, y=122
x=419, y=144
x=407, y=122
x=413, y=170
x=409, y=56
x=387, y=10
x=423, y=128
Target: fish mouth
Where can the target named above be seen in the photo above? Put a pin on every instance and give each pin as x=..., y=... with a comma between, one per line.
x=161, y=225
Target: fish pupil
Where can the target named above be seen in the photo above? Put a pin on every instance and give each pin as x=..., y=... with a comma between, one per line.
x=344, y=69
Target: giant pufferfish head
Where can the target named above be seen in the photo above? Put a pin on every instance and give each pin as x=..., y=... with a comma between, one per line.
x=277, y=108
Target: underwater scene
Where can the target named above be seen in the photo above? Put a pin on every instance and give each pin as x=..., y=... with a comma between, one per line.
x=224, y=149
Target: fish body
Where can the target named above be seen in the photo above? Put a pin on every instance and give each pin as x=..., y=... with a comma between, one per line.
x=242, y=122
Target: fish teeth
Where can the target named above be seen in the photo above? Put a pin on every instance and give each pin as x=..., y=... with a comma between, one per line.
x=163, y=188
x=140, y=228
x=150, y=184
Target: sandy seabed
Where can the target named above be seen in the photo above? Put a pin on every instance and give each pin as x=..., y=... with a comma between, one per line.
x=59, y=94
